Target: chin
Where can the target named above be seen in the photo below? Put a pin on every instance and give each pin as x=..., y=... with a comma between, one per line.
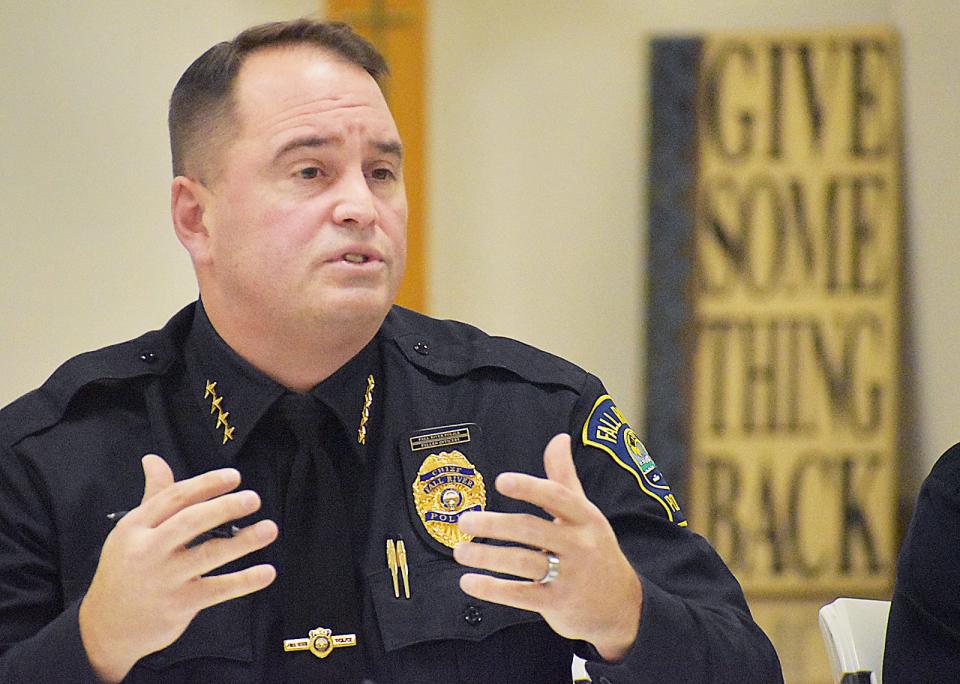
x=363, y=308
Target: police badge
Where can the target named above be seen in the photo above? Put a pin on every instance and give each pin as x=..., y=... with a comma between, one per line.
x=447, y=485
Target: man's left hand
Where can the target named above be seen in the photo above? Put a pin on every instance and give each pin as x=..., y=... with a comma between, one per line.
x=596, y=596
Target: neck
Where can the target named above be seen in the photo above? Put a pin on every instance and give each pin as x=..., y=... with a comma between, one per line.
x=297, y=356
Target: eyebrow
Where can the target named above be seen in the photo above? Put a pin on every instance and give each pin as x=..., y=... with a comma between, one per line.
x=394, y=148
x=297, y=143
x=390, y=147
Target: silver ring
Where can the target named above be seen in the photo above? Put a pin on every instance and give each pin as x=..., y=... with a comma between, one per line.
x=553, y=569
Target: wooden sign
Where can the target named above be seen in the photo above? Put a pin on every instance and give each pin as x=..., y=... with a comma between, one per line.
x=782, y=194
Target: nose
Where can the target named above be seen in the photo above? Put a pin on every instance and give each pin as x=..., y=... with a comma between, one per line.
x=355, y=202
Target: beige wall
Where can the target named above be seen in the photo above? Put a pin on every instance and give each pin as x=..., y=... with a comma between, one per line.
x=87, y=252
x=538, y=153
x=537, y=134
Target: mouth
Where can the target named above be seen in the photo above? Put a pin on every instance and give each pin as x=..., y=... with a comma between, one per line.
x=355, y=258
x=356, y=255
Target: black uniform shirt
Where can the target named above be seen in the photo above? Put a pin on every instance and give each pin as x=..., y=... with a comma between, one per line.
x=923, y=631
x=452, y=408
x=305, y=455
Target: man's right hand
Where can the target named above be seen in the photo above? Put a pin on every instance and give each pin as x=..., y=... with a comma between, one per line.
x=149, y=585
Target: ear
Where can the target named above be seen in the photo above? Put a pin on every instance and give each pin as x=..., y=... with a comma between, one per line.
x=188, y=204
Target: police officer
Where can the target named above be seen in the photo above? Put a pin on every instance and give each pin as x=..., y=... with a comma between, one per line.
x=923, y=630
x=335, y=489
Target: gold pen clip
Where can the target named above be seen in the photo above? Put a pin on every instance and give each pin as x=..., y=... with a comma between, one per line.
x=404, y=570
x=392, y=564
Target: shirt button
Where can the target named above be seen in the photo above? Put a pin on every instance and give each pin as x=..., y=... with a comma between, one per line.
x=148, y=357
x=422, y=348
x=473, y=616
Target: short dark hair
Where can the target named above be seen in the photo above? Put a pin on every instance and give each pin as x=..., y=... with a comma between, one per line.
x=202, y=106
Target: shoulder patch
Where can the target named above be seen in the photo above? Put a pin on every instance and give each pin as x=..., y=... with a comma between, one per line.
x=606, y=429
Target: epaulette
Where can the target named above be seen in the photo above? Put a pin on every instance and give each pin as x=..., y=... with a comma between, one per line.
x=148, y=355
x=454, y=349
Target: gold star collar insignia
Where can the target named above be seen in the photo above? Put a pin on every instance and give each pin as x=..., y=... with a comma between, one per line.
x=365, y=413
x=216, y=406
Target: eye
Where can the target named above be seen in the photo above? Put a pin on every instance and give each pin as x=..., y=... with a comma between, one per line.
x=383, y=174
x=309, y=172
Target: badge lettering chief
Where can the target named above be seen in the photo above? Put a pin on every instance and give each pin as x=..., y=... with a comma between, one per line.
x=447, y=485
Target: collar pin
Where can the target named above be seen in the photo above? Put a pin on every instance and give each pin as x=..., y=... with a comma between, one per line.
x=365, y=413
x=216, y=405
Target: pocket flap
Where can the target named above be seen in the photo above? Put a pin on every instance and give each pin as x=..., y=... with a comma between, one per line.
x=437, y=608
x=220, y=631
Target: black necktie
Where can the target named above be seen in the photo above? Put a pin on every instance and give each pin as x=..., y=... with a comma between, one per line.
x=317, y=577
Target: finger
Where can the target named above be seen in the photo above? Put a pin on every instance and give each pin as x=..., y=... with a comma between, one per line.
x=187, y=524
x=215, y=553
x=511, y=560
x=516, y=593
x=553, y=497
x=209, y=591
x=177, y=496
x=157, y=475
x=514, y=527
x=558, y=463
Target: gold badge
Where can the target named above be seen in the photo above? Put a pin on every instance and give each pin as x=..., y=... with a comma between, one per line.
x=321, y=642
x=447, y=486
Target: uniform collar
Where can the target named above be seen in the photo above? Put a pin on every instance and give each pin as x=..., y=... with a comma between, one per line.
x=233, y=396
x=350, y=392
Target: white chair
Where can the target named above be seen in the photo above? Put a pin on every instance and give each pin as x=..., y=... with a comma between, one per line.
x=854, y=631
x=578, y=670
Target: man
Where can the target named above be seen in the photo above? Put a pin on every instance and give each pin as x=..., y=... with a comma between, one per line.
x=923, y=631
x=383, y=450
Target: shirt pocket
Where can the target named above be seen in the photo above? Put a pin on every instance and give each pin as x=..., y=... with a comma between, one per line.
x=437, y=610
x=217, y=634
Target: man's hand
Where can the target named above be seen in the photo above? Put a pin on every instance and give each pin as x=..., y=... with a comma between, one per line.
x=596, y=597
x=148, y=585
